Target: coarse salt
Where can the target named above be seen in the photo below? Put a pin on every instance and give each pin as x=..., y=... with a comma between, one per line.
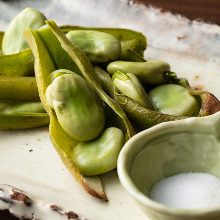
x=189, y=191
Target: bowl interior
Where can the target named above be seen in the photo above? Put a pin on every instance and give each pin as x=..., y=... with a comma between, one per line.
x=170, y=152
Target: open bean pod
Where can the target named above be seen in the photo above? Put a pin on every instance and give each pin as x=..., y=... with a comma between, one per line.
x=46, y=61
x=44, y=65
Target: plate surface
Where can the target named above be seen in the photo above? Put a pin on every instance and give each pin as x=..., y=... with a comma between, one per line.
x=27, y=158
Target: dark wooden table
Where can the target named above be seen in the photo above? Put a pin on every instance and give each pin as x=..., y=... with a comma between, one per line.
x=207, y=10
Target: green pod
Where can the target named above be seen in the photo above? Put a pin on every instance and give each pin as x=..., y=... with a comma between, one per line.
x=21, y=107
x=98, y=46
x=105, y=81
x=133, y=43
x=142, y=117
x=59, y=56
x=18, y=88
x=13, y=40
x=150, y=73
x=17, y=64
x=100, y=155
x=129, y=85
x=175, y=100
x=23, y=121
x=62, y=142
x=78, y=108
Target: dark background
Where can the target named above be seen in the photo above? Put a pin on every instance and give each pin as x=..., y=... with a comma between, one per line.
x=207, y=10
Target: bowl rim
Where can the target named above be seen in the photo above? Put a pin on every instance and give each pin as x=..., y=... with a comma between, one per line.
x=129, y=185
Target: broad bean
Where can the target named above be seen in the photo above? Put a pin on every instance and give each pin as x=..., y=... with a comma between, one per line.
x=100, y=155
x=78, y=108
x=98, y=46
x=150, y=72
x=175, y=100
x=13, y=40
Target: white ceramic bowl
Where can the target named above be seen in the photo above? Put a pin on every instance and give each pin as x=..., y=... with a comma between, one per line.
x=189, y=145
